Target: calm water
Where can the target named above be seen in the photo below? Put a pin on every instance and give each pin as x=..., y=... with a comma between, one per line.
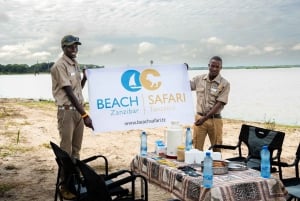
x=256, y=94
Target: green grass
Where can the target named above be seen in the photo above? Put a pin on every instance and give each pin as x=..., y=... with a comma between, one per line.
x=13, y=149
x=7, y=112
x=5, y=187
x=18, y=137
x=41, y=104
x=270, y=124
x=12, y=129
x=46, y=145
x=45, y=104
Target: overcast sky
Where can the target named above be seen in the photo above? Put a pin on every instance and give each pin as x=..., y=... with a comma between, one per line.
x=133, y=32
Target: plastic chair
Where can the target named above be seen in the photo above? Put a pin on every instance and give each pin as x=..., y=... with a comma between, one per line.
x=292, y=184
x=99, y=190
x=69, y=175
x=254, y=138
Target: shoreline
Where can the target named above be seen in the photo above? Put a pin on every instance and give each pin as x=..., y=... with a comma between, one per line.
x=190, y=68
x=267, y=124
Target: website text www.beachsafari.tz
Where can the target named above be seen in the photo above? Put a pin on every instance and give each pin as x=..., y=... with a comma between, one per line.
x=146, y=121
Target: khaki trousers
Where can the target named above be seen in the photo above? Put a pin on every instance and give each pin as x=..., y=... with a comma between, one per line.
x=212, y=127
x=70, y=127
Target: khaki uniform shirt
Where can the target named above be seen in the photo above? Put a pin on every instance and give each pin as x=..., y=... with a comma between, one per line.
x=66, y=72
x=209, y=92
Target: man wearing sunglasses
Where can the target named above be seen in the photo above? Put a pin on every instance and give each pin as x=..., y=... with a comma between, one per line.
x=67, y=91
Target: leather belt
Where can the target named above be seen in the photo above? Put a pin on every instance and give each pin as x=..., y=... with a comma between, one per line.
x=217, y=116
x=66, y=107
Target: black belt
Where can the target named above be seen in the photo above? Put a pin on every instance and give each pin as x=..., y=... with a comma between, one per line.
x=66, y=107
x=217, y=116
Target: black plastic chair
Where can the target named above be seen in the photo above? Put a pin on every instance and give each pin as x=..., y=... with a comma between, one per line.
x=99, y=190
x=72, y=179
x=292, y=184
x=254, y=138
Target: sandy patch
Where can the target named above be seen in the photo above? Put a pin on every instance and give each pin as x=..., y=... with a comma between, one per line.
x=27, y=163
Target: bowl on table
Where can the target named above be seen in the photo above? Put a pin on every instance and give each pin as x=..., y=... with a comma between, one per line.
x=219, y=166
x=237, y=166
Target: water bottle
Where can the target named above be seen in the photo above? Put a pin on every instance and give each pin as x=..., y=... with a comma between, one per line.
x=265, y=162
x=188, y=139
x=208, y=171
x=143, y=144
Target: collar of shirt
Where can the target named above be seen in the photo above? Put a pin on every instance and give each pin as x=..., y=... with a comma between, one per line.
x=72, y=62
x=217, y=79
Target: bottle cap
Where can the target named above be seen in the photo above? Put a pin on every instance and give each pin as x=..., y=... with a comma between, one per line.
x=208, y=153
x=181, y=147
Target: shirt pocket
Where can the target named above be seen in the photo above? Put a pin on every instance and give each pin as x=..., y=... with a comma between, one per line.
x=215, y=90
x=200, y=90
x=72, y=77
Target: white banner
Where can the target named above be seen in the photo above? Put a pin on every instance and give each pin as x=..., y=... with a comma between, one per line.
x=139, y=97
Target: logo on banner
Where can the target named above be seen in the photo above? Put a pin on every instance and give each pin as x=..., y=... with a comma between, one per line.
x=133, y=80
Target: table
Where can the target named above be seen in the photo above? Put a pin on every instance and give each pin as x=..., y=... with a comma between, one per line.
x=246, y=185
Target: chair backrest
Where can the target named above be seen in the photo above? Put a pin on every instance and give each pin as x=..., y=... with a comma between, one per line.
x=297, y=159
x=255, y=137
x=95, y=184
x=67, y=168
x=298, y=153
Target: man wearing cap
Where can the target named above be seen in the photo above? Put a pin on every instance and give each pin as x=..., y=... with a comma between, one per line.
x=67, y=91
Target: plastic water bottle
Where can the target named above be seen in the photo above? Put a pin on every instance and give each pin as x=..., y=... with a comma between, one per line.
x=208, y=171
x=188, y=139
x=143, y=144
x=265, y=162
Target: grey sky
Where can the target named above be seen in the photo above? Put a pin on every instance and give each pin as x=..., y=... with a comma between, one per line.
x=133, y=32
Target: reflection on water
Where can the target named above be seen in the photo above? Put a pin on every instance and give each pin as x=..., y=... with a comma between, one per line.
x=256, y=94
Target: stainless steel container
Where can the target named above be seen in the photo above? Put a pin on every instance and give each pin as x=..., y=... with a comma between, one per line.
x=219, y=166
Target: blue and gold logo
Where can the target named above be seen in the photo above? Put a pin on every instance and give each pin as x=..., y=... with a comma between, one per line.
x=133, y=80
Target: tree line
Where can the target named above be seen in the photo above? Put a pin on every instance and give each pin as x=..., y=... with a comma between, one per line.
x=35, y=68
x=45, y=68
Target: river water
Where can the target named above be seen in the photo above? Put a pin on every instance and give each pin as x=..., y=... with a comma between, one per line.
x=256, y=94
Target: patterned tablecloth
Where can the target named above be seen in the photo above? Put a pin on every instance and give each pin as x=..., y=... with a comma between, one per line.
x=246, y=185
